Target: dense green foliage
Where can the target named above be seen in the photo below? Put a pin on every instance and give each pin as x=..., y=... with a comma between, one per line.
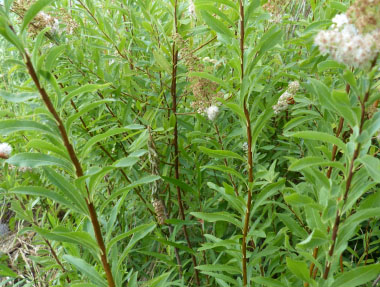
x=151, y=146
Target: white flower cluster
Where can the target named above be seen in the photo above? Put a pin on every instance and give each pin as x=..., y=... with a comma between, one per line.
x=286, y=98
x=346, y=45
x=212, y=112
x=5, y=150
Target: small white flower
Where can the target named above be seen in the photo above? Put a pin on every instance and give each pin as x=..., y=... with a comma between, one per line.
x=5, y=150
x=212, y=112
x=340, y=20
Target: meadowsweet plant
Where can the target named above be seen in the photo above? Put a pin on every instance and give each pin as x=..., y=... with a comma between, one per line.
x=189, y=143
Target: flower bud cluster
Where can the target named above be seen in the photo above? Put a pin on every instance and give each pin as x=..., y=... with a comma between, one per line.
x=345, y=44
x=204, y=91
x=43, y=19
x=286, y=98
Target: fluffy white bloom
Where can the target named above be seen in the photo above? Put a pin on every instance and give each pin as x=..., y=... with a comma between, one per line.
x=346, y=45
x=5, y=150
x=212, y=112
x=340, y=20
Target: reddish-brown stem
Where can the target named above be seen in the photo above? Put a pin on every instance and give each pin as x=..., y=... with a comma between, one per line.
x=173, y=92
x=77, y=165
x=335, y=148
x=249, y=152
x=99, y=239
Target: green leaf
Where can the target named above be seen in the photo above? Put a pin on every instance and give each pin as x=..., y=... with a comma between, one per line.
x=270, y=39
x=19, y=97
x=9, y=34
x=175, y=244
x=316, y=238
x=221, y=153
x=219, y=268
x=218, y=216
x=319, y=136
x=338, y=6
x=52, y=57
x=126, y=161
x=329, y=64
x=216, y=25
x=348, y=228
x=95, y=139
x=113, y=241
x=87, y=270
x=89, y=88
x=298, y=268
x=236, y=109
x=268, y=282
x=33, y=11
x=44, y=145
x=81, y=238
x=67, y=189
x=265, y=193
x=5, y=271
x=293, y=225
x=302, y=201
x=34, y=160
x=226, y=169
x=314, y=161
x=43, y=192
x=137, y=236
x=357, y=276
x=8, y=127
x=162, y=61
x=372, y=166
x=143, y=180
x=180, y=184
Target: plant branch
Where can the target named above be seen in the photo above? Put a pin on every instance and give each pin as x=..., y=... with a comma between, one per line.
x=173, y=92
x=78, y=167
x=249, y=152
x=351, y=173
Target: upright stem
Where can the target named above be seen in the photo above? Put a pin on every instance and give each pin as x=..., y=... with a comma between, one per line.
x=351, y=173
x=173, y=92
x=249, y=152
x=78, y=168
